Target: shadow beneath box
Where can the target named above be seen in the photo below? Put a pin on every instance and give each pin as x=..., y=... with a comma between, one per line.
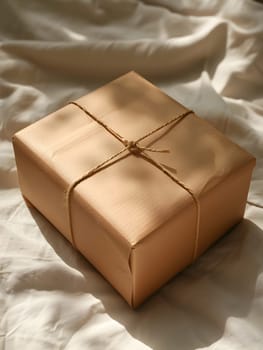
x=191, y=310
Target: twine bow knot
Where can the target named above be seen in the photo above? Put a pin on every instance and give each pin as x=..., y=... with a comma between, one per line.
x=133, y=147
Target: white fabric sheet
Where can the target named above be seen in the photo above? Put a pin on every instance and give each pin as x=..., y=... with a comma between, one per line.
x=206, y=54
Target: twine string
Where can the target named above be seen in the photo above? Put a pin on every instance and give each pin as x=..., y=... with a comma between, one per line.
x=136, y=149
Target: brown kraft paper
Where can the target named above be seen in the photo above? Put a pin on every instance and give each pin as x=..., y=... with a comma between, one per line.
x=135, y=224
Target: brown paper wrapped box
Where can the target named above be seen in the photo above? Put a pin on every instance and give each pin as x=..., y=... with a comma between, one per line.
x=138, y=221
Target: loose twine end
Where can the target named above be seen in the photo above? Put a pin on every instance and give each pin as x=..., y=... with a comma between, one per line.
x=136, y=149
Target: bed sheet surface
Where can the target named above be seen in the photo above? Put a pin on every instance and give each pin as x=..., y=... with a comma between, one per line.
x=206, y=54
